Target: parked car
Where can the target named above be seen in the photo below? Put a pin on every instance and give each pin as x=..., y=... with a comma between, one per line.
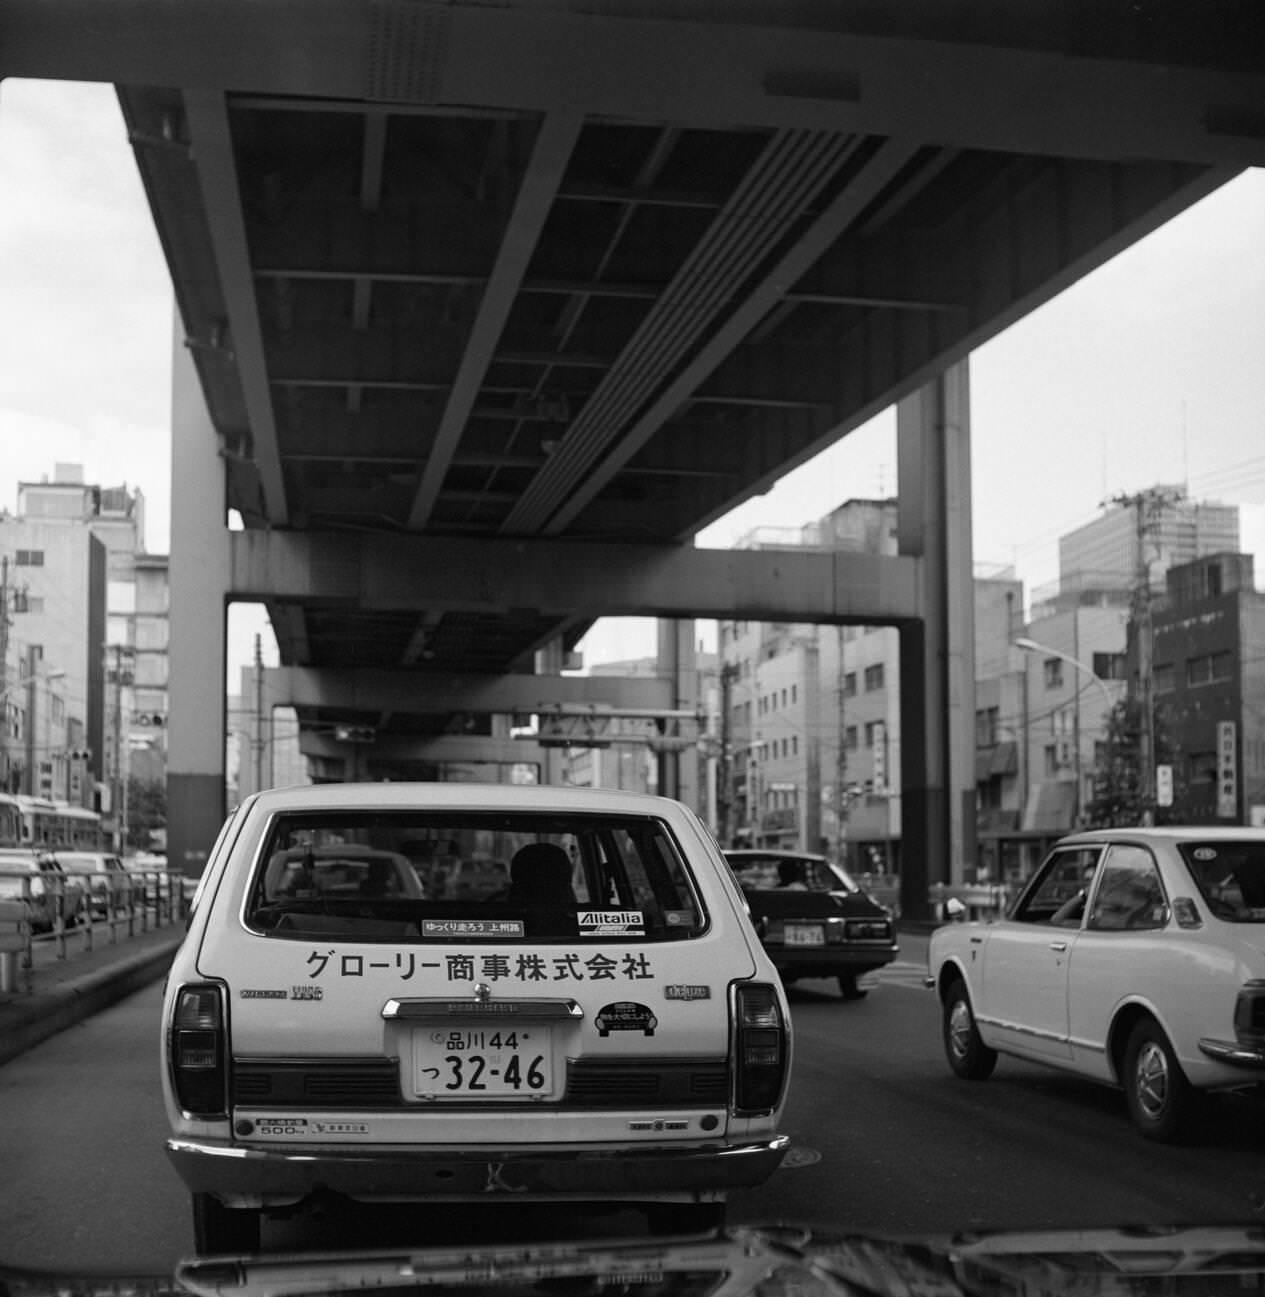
x=1132, y=956
x=49, y=890
x=606, y=1029
x=813, y=919
x=151, y=869
x=109, y=886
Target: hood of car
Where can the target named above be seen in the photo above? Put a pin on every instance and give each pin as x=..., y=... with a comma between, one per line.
x=787, y=903
x=750, y=1261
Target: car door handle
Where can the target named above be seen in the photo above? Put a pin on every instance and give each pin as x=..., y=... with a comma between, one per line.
x=1058, y=945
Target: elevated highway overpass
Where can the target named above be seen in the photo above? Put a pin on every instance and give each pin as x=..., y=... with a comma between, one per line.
x=484, y=311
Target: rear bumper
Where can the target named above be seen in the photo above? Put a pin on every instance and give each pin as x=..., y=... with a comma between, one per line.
x=1235, y=1053
x=255, y=1177
x=828, y=961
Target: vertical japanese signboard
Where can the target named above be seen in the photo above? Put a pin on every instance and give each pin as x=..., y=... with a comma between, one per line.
x=1227, y=771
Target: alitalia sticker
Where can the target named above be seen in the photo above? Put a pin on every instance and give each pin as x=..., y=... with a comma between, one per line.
x=687, y=992
x=526, y=969
x=602, y=923
x=625, y=1015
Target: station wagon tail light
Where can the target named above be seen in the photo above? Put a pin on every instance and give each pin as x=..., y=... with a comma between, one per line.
x=1249, y=1013
x=196, y=1055
x=760, y=1048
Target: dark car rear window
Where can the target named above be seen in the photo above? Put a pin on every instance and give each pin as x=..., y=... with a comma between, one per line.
x=464, y=876
x=1230, y=877
x=759, y=873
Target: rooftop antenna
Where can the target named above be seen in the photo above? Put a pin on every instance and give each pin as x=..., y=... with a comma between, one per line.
x=1185, y=450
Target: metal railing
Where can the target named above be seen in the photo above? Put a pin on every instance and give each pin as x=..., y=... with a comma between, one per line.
x=72, y=912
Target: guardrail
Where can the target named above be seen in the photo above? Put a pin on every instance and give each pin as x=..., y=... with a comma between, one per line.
x=15, y=938
x=58, y=910
x=982, y=900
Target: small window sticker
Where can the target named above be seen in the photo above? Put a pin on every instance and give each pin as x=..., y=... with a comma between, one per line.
x=1205, y=853
x=472, y=927
x=625, y=1015
x=611, y=922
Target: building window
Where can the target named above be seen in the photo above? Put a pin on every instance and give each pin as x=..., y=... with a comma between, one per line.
x=1051, y=754
x=1109, y=666
x=986, y=723
x=850, y=685
x=850, y=738
x=794, y=694
x=1163, y=678
x=794, y=745
x=1203, y=767
x=873, y=732
x=29, y=558
x=1211, y=666
x=1053, y=673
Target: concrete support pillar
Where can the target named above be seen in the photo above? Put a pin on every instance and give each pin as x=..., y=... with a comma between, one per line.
x=937, y=654
x=678, y=661
x=553, y=761
x=200, y=577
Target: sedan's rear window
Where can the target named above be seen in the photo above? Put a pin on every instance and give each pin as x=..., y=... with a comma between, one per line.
x=462, y=876
x=1230, y=877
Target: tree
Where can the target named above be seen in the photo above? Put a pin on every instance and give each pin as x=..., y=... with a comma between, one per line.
x=1124, y=794
x=146, y=811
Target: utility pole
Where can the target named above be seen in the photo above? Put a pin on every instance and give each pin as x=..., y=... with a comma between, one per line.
x=728, y=673
x=259, y=714
x=1147, y=507
x=841, y=762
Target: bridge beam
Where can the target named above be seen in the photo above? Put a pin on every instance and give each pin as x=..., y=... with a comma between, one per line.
x=411, y=691
x=563, y=578
x=440, y=749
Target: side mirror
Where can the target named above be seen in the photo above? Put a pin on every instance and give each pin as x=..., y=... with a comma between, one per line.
x=954, y=910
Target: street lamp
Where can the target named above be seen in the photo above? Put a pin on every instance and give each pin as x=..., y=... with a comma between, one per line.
x=1031, y=646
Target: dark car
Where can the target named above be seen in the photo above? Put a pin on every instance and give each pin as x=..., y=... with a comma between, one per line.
x=813, y=919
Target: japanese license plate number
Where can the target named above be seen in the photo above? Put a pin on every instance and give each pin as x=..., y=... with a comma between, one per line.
x=483, y=1063
x=805, y=934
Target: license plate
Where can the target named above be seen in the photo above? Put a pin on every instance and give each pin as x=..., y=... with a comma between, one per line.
x=805, y=934
x=483, y=1063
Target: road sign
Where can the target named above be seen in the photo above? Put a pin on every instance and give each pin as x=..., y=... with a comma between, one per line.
x=1164, y=785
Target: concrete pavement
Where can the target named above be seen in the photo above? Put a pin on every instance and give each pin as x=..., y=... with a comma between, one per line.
x=57, y=992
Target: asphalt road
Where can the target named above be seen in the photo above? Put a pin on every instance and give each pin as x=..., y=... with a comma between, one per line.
x=886, y=1141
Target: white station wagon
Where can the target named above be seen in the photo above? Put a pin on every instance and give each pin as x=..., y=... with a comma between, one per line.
x=1132, y=956
x=343, y=1018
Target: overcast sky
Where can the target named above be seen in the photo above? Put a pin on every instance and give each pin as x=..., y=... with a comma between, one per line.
x=1150, y=370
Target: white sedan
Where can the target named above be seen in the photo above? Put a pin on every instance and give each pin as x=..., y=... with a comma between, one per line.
x=1133, y=957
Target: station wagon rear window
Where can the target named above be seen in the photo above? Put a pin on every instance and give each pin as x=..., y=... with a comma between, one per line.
x=1231, y=877
x=470, y=876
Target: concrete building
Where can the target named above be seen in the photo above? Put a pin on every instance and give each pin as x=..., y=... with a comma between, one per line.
x=77, y=598
x=1209, y=684
x=1161, y=526
x=263, y=741
x=812, y=713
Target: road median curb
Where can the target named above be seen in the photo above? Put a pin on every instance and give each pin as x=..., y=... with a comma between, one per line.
x=26, y=1020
